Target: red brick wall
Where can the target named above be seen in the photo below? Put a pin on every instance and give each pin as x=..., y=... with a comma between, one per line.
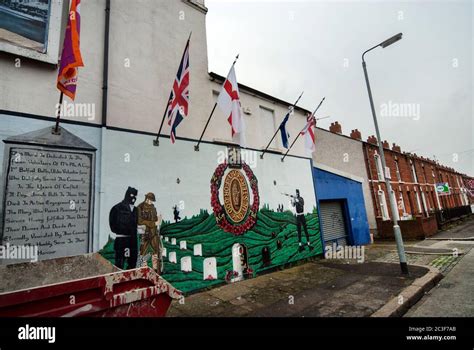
x=419, y=228
x=425, y=181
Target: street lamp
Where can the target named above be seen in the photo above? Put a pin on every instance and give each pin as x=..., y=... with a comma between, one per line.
x=396, y=229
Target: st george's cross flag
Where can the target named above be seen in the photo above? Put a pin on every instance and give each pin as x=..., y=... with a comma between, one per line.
x=178, y=102
x=71, y=55
x=308, y=133
x=229, y=103
x=284, y=134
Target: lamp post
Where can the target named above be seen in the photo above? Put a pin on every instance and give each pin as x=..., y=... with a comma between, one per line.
x=396, y=228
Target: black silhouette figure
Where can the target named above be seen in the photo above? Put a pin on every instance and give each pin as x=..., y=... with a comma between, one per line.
x=279, y=245
x=266, y=259
x=123, y=222
x=176, y=214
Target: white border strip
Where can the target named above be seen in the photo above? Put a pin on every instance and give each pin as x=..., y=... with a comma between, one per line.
x=338, y=172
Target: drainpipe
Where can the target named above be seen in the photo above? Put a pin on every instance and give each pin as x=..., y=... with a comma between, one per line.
x=105, y=81
x=105, y=76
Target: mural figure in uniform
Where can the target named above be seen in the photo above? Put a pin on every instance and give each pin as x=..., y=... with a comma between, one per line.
x=123, y=222
x=298, y=202
x=149, y=222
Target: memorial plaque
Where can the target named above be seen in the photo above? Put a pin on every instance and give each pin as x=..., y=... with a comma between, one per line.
x=47, y=199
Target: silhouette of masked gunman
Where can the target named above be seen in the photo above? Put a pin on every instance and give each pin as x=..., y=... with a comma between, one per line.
x=298, y=203
x=123, y=222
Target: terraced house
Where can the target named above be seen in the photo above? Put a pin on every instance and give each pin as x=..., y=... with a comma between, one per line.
x=422, y=206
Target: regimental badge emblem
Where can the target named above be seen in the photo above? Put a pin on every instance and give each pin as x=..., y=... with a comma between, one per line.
x=234, y=197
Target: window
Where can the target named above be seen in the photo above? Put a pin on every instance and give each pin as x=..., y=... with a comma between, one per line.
x=383, y=205
x=413, y=172
x=267, y=126
x=401, y=206
x=378, y=165
x=424, y=172
x=434, y=195
x=398, y=171
x=426, y=206
x=464, y=197
x=418, y=205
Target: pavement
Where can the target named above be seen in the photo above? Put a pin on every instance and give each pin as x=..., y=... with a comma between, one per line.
x=453, y=296
x=346, y=288
x=443, y=250
x=461, y=230
x=321, y=288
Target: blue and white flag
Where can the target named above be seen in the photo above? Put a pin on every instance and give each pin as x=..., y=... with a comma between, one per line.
x=284, y=134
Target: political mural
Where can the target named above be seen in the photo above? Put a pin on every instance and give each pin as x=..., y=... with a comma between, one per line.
x=237, y=238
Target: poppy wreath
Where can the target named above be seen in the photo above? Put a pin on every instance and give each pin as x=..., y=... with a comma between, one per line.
x=219, y=212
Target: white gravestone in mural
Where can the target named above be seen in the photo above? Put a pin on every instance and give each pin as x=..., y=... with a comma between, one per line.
x=186, y=264
x=173, y=241
x=197, y=250
x=48, y=193
x=237, y=262
x=182, y=245
x=167, y=239
x=172, y=257
x=210, y=269
x=163, y=253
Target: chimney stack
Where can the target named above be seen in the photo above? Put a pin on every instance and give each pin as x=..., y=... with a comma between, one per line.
x=355, y=134
x=372, y=139
x=385, y=144
x=396, y=148
x=335, y=128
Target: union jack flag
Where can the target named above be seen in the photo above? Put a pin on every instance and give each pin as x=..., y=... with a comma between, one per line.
x=178, y=102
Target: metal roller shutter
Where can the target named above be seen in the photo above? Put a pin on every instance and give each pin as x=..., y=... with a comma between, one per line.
x=333, y=225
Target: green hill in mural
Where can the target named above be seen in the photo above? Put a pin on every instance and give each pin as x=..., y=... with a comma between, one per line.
x=270, y=228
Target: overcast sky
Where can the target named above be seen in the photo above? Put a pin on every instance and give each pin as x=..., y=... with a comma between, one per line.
x=289, y=46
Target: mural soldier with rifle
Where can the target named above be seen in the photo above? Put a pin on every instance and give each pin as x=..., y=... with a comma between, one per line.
x=298, y=202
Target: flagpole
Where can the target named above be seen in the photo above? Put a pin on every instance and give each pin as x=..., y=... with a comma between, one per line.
x=196, y=147
x=58, y=114
x=276, y=131
x=296, y=138
x=156, y=142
